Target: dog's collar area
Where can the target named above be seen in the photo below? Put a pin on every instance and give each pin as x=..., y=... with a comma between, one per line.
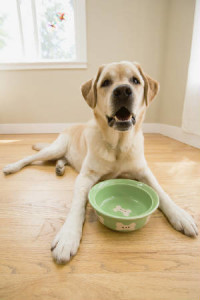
x=122, y=120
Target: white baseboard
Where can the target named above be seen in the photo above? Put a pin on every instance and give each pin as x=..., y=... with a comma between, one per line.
x=171, y=131
x=33, y=128
x=151, y=127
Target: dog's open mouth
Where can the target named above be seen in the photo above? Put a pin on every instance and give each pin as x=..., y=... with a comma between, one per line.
x=123, y=114
x=122, y=119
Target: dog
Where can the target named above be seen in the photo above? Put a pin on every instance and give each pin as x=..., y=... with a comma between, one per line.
x=111, y=145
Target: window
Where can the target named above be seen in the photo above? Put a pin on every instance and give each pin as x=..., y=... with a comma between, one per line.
x=42, y=34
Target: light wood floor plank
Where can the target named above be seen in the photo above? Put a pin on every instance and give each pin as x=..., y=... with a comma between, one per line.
x=154, y=263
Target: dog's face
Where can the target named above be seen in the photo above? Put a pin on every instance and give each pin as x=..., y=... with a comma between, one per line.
x=119, y=93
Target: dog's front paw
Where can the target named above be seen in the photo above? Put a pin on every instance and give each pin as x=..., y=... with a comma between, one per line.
x=11, y=168
x=183, y=222
x=65, y=244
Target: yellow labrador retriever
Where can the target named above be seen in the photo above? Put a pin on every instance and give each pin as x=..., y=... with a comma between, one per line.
x=109, y=146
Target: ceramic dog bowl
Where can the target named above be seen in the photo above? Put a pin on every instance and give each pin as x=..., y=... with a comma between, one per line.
x=123, y=204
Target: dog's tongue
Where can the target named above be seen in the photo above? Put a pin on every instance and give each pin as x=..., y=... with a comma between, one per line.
x=123, y=114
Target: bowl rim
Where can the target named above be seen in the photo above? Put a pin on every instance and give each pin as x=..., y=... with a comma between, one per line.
x=152, y=193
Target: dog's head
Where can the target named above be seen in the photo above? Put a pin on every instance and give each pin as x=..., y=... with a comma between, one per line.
x=119, y=93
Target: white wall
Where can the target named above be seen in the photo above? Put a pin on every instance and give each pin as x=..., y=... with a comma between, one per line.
x=156, y=33
x=116, y=30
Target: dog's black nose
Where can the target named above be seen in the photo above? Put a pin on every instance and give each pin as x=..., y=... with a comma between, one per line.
x=122, y=91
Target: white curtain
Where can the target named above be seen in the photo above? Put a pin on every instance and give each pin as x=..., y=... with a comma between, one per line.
x=191, y=112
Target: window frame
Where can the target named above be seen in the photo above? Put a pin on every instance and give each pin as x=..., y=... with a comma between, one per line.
x=81, y=47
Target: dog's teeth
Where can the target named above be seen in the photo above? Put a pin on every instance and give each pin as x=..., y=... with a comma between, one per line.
x=129, y=118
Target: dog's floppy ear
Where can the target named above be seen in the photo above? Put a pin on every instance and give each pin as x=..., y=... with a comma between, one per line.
x=151, y=86
x=89, y=89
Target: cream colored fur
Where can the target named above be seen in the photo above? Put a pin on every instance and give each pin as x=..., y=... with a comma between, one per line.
x=99, y=152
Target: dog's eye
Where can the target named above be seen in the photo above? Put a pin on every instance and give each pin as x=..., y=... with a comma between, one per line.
x=106, y=82
x=135, y=80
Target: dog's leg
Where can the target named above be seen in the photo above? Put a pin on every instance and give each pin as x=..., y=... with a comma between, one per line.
x=67, y=240
x=60, y=166
x=56, y=150
x=40, y=146
x=178, y=217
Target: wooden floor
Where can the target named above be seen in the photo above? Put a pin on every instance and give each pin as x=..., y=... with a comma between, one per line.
x=154, y=263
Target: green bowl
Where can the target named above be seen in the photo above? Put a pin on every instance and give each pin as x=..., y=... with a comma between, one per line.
x=123, y=204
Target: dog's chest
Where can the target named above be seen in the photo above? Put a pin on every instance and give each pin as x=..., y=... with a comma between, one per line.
x=124, y=165
x=113, y=160
x=114, y=156
x=118, y=161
